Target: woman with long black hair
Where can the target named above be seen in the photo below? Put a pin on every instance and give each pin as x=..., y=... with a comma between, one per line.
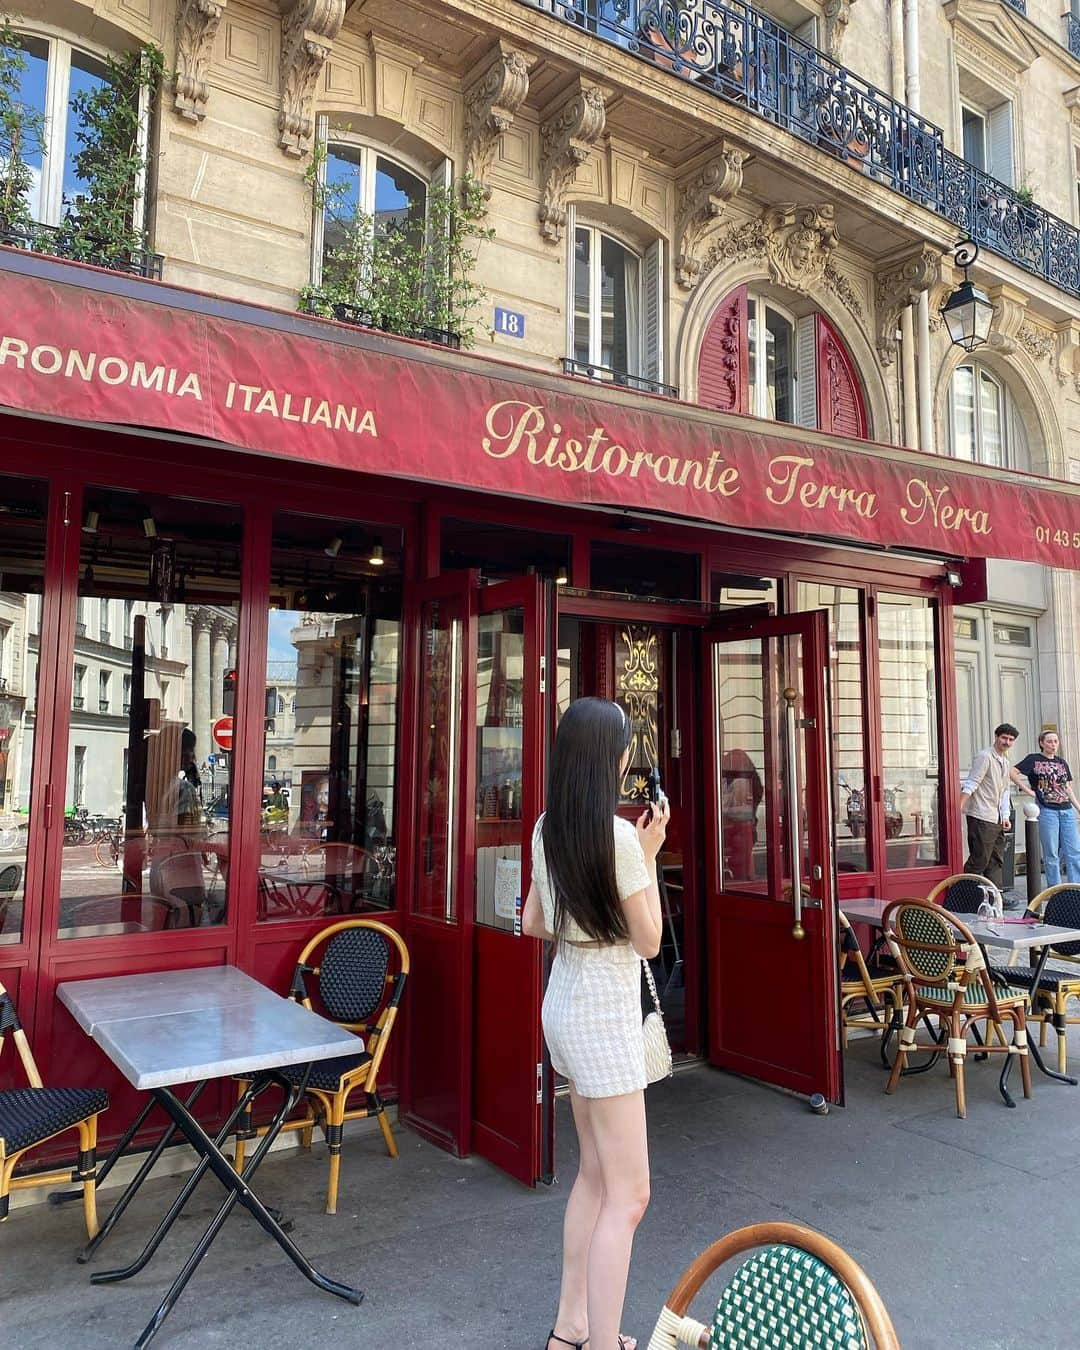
x=594, y=893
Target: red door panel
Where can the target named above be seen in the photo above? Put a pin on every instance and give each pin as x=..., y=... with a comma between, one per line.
x=722, y=365
x=841, y=408
x=770, y=921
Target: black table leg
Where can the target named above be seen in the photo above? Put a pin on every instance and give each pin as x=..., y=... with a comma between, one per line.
x=238, y=1190
x=140, y=1176
x=186, y=1192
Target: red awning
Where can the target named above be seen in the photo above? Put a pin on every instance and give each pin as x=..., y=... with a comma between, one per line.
x=78, y=343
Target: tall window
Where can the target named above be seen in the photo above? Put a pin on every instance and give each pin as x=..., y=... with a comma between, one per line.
x=987, y=138
x=104, y=699
x=985, y=424
x=772, y=361
x=78, y=687
x=617, y=314
x=366, y=183
x=55, y=72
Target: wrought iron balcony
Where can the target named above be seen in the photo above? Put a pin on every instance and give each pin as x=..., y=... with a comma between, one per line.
x=62, y=241
x=620, y=377
x=1072, y=33
x=1019, y=5
x=744, y=57
x=315, y=302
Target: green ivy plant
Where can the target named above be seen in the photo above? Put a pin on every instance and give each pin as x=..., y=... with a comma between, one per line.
x=405, y=275
x=22, y=131
x=100, y=224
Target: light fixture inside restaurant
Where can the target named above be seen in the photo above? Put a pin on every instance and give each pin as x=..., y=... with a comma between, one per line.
x=560, y=577
x=968, y=312
x=375, y=558
x=149, y=526
x=90, y=522
x=333, y=548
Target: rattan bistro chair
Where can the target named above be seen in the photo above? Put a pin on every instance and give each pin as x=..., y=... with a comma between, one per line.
x=1060, y=906
x=964, y=893
x=797, y=1289
x=31, y=1115
x=947, y=978
x=870, y=995
x=358, y=988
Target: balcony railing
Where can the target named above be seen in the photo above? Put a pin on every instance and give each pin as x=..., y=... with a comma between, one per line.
x=61, y=241
x=620, y=377
x=316, y=303
x=744, y=57
x=1072, y=33
x=103, y=705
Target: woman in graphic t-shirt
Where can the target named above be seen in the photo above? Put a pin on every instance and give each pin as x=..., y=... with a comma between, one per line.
x=1046, y=776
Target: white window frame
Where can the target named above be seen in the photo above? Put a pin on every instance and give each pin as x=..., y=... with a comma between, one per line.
x=645, y=348
x=1009, y=417
x=634, y=341
x=803, y=363
x=998, y=138
x=57, y=97
x=370, y=152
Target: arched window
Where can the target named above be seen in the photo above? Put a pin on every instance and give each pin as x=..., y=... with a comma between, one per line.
x=361, y=181
x=55, y=72
x=616, y=320
x=758, y=358
x=984, y=423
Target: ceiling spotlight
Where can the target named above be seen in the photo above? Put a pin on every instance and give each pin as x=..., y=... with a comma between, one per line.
x=376, y=559
x=333, y=548
x=149, y=526
x=561, y=577
x=90, y=524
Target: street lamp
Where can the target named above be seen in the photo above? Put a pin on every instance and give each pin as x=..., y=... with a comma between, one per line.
x=968, y=312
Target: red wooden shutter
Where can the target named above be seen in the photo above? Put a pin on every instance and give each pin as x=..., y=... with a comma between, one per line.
x=840, y=402
x=722, y=364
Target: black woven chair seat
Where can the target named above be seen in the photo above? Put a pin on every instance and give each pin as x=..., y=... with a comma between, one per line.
x=1021, y=977
x=29, y=1115
x=326, y=1074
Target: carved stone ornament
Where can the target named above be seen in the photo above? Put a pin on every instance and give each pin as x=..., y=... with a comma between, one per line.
x=1039, y=343
x=308, y=30
x=490, y=106
x=899, y=287
x=701, y=202
x=837, y=16
x=196, y=26
x=1010, y=312
x=1068, y=350
x=842, y=289
x=566, y=138
x=799, y=243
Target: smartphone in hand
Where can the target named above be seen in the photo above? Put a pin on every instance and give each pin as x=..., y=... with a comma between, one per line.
x=656, y=792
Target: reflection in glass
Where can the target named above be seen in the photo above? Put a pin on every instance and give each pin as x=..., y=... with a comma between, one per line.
x=440, y=748
x=849, y=755
x=146, y=826
x=909, y=722
x=741, y=691
x=22, y=568
x=499, y=767
x=330, y=720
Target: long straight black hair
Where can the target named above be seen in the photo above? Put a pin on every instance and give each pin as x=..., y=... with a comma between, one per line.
x=578, y=829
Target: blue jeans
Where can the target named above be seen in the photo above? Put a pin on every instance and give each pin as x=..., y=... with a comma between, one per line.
x=1059, y=838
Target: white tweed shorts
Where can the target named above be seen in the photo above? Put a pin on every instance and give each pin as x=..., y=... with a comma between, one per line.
x=592, y=1019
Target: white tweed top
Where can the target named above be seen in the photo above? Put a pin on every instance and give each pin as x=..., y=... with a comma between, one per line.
x=631, y=874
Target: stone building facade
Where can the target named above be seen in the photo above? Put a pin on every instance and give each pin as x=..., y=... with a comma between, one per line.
x=720, y=202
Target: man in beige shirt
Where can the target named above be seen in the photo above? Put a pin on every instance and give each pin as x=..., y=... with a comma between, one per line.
x=984, y=801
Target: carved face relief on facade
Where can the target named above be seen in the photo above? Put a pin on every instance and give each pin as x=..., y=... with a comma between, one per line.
x=799, y=243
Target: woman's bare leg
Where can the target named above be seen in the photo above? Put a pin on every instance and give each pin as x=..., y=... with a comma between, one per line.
x=622, y=1151
x=582, y=1209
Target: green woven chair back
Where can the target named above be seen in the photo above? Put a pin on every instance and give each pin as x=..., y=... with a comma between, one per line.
x=915, y=924
x=783, y=1298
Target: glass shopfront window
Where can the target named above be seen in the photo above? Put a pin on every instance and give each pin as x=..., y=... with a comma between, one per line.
x=330, y=719
x=908, y=675
x=848, y=738
x=22, y=570
x=146, y=824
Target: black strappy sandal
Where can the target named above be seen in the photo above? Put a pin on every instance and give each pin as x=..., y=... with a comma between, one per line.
x=575, y=1345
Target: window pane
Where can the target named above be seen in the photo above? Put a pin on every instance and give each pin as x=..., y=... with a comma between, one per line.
x=909, y=722
x=330, y=720
x=146, y=824
x=87, y=76
x=582, y=243
x=400, y=200
x=849, y=758
x=990, y=410
x=752, y=355
x=742, y=677
x=343, y=197
x=778, y=354
x=22, y=561
x=440, y=764
x=619, y=291
x=974, y=139
x=963, y=407
x=31, y=93
x=499, y=683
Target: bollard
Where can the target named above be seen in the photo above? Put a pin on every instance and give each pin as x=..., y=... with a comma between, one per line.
x=1034, y=850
